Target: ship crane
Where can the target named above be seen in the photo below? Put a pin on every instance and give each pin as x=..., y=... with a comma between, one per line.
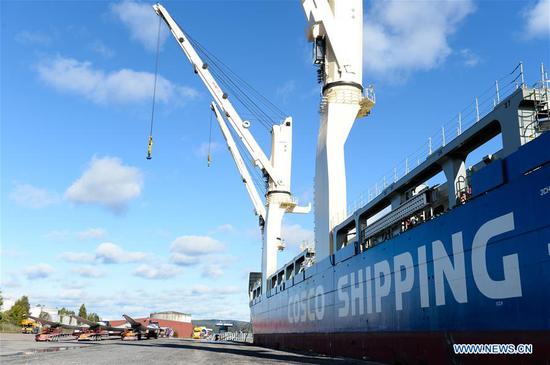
x=276, y=170
x=336, y=29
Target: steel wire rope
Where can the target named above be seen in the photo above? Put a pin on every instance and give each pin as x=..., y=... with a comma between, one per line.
x=239, y=94
x=218, y=62
x=466, y=123
x=150, y=144
x=255, y=175
x=266, y=101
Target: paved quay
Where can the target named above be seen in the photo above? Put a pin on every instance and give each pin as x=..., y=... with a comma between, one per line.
x=22, y=349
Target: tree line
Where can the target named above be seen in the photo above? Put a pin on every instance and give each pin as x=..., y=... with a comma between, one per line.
x=21, y=310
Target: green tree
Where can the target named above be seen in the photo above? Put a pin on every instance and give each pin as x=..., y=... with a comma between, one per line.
x=82, y=311
x=93, y=317
x=1, y=304
x=19, y=311
x=64, y=312
x=45, y=315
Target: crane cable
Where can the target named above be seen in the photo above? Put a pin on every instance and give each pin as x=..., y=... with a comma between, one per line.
x=150, y=145
x=210, y=141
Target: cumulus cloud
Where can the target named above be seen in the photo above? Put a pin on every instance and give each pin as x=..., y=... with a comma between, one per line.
x=109, y=253
x=469, y=58
x=196, y=245
x=405, y=36
x=537, y=19
x=30, y=196
x=224, y=228
x=77, y=257
x=295, y=235
x=201, y=289
x=102, y=87
x=106, y=253
x=33, y=38
x=141, y=21
x=38, y=271
x=183, y=260
x=108, y=183
x=100, y=48
x=157, y=271
x=10, y=281
x=91, y=233
x=212, y=271
x=88, y=271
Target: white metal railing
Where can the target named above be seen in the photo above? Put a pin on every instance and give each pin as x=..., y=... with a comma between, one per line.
x=232, y=336
x=480, y=106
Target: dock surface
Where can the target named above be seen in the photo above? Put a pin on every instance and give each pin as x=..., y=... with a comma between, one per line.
x=22, y=349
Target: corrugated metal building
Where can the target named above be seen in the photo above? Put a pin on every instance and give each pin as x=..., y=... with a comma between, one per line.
x=179, y=322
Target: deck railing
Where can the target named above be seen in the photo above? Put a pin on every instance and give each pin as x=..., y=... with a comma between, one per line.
x=480, y=106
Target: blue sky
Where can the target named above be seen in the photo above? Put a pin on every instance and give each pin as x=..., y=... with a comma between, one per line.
x=86, y=218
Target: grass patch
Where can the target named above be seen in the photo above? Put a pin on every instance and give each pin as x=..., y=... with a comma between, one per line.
x=7, y=327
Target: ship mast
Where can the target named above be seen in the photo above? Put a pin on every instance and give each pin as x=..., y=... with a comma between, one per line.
x=336, y=29
x=276, y=169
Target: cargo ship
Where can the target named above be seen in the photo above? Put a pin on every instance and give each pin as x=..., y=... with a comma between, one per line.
x=421, y=266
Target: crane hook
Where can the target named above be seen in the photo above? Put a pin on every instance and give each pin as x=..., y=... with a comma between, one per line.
x=150, y=147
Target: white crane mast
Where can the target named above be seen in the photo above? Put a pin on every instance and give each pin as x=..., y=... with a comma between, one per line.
x=277, y=169
x=335, y=27
x=259, y=207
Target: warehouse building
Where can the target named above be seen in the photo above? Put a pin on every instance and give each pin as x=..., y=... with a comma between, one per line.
x=179, y=322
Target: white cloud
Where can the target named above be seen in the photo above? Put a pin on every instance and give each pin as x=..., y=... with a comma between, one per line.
x=38, y=271
x=30, y=196
x=57, y=235
x=183, y=260
x=212, y=271
x=100, y=48
x=109, y=253
x=108, y=183
x=224, y=228
x=33, y=38
x=77, y=257
x=99, y=86
x=88, y=271
x=295, y=235
x=537, y=20
x=141, y=21
x=91, y=233
x=201, y=289
x=202, y=150
x=9, y=281
x=469, y=58
x=75, y=294
x=157, y=271
x=285, y=90
x=405, y=36
x=196, y=245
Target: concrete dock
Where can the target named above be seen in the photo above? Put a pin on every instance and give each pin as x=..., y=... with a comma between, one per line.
x=22, y=349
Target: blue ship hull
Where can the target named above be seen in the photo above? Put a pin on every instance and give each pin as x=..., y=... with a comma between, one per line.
x=479, y=273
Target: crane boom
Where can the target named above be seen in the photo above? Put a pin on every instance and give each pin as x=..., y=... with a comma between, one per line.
x=221, y=98
x=245, y=175
x=277, y=169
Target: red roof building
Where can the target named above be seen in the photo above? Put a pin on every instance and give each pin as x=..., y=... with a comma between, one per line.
x=179, y=322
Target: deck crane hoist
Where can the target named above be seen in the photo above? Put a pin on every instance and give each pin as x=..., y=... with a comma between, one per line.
x=276, y=170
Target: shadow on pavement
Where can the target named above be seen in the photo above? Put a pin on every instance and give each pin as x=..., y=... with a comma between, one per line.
x=245, y=350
